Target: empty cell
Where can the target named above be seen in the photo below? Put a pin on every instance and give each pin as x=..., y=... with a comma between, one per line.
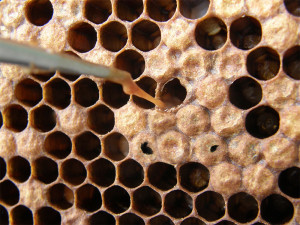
x=71, y=77
x=242, y=207
x=146, y=35
x=82, y=37
x=293, y=7
x=21, y=215
x=178, y=204
x=116, y=199
x=102, y=172
x=193, y=9
x=210, y=205
x=162, y=175
x=194, y=177
x=15, y=118
x=57, y=93
x=87, y=145
x=262, y=122
x=101, y=119
x=44, y=76
x=276, y=209
x=43, y=118
x=225, y=222
x=291, y=61
x=245, y=32
x=161, y=10
x=245, y=93
x=132, y=62
x=131, y=173
x=60, y=196
x=173, y=93
x=86, y=92
x=97, y=11
x=158, y=220
x=101, y=218
x=4, y=219
x=116, y=146
x=146, y=201
x=2, y=168
x=211, y=33
x=148, y=85
x=113, y=94
x=38, y=12
x=263, y=63
x=288, y=182
x=130, y=218
x=47, y=216
x=113, y=36
x=73, y=171
x=129, y=10
x=58, y=145
x=29, y=92
x=9, y=193
x=192, y=221
x=88, y=198
x=45, y=170
x=19, y=169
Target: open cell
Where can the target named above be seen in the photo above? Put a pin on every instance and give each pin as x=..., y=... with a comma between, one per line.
x=21, y=215
x=45, y=170
x=288, y=182
x=86, y=92
x=43, y=118
x=193, y=9
x=225, y=222
x=19, y=169
x=97, y=11
x=129, y=10
x=113, y=94
x=116, y=199
x=293, y=7
x=9, y=193
x=68, y=76
x=60, y=196
x=4, y=219
x=88, y=198
x=173, y=93
x=58, y=145
x=102, y=172
x=87, y=145
x=116, y=146
x=101, y=218
x=161, y=219
x=178, y=204
x=130, y=218
x=15, y=118
x=38, y=12
x=48, y=216
x=148, y=85
x=131, y=173
x=73, y=171
x=291, y=62
x=44, y=76
x=161, y=10
x=29, y=92
x=192, y=221
x=2, y=168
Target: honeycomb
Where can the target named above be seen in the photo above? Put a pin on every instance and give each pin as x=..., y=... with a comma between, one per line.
x=75, y=149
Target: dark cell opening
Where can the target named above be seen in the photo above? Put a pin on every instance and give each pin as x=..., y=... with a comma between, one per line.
x=173, y=93
x=214, y=148
x=162, y=175
x=88, y=198
x=225, y=222
x=86, y=92
x=291, y=61
x=39, y=12
x=116, y=146
x=245, y=93
x=4, y=219
x=211, y=33
x=289, y=182
x=1, y=120
x=60, y=196
x=146, y=149
x=276, y=209
x=9, y=193
x=45, y=170
x=29, y=92
x=131, y=219
x=43, y=118
x=161, y=10
x=102, y=172
x=131, y=173
x=73, y=171
x=116, y=199
x=2, y=168
x=193, y=9
x=58, y=145
x=97, y=11
x=101, y=218
x=148, y=85
x=87, y=145
x=161, y=220
x=19, y=169
x=43, y=76
x=262, y=122
x=263, y=63
x=71, y=77
x=48, y=216
x=210, y=205
x=113, y=95
x=21, y=215
x=178, y=204
x=293, y=7
x=192, y=221
x=129, y=10
x=15, y=118
x=245, y=32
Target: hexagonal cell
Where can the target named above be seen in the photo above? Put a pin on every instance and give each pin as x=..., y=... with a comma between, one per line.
x=38, y=12
x=291, y=62
x=193, y=9
x=210, y=205
x=9, y=193
x=87, y=145
x=2, y=168
x=276, y=209
x=86, y=92
x=129, y=10
x=21, y=215
x=57, y=93
x=28, y=92
x=132, y=62
x=178, y=204
x=245, y=93
x=97, y=11
x=42, y=76
x=292, y=7
x=19, y=169
x=48, y=216
x=82, y=37
x=262, y=122
x=73, y=171
x=15, y=118
x=245, y=32
x=162, y=175
x=131, y=173
x=161, y=10
x=242, y=207
x=192, y=221
x=158, y=220
x=4, y=219
x=211, y=33
x=113, y=36
x=45, y=170
x=101, y=119
x=288, y=182
x=116, y=199
x=148, y=85
x=173, y=93
x=88, y=198
x=146, y=201
x=146, y=35
x=130, y=218
x=263, y=63
x=101, y=218
x=102, y=172
x=225, y=222
x=116, y=146
x=71, y=77
x=113, y=94
x=194, y=176
x=43, y=118
x=58, y=145
x=60, y=196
